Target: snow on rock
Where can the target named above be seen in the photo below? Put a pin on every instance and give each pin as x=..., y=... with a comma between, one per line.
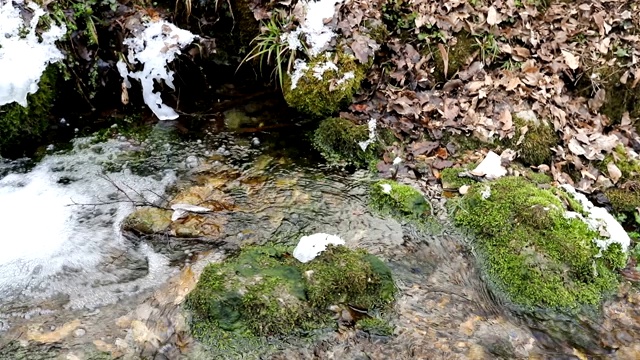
x=23, y=56
x=311, y=246
x=599, y=220
x=154, y=48
x=491, y=167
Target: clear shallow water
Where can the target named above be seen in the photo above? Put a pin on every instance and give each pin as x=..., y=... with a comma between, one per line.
x=61, y=225
x=122, y=294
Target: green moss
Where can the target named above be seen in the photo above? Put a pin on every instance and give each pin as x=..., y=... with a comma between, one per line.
x=458, y=55
x=451, y=181
x=25, y=124
x=629, y=167
x=401, y=200
x=324, y=97
x=375, y=326
x=530, y=251
x=337, y=140
x=262, y=292
x=535, y=149
x=623, y=200
x=538, y=177
x=148, y=220
x=368, y=285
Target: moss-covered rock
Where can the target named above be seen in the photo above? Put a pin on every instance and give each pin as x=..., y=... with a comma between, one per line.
x=323, y=89
x=20, y=124
x=535, y=147
x=263, y=291
x=148, y=220
x=337, y=140
x=530, y=251
x=623, y=199
x=390, y=197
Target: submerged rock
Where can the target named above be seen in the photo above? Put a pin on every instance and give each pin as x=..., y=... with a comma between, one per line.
x=263, y=291
x=531, y=247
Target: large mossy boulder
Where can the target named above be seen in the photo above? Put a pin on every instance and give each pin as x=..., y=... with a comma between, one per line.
x=324, y=85
x=18, y=124
x=264, y=291
x=532, y=250
x=338, y=141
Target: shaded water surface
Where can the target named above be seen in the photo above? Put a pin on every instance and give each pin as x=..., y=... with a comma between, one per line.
x=74, y=286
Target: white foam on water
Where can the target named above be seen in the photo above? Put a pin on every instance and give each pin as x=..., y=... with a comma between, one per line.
x=51, y=243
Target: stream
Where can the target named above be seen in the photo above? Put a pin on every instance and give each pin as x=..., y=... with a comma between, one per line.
x=74, y=285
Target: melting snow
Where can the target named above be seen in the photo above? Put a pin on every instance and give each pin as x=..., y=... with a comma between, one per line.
x=24, y=57
x=372, y=135
x=313, y=27
x=311, y=246
x=386, y=188
x=319, y=69
x=299, y=68
x=599, y=220
x=154, y=48
x=491, y=167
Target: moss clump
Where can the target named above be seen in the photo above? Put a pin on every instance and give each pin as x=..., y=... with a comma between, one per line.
x=337, y=140
x=623, y=200
x=459, y=54
x=368, y=285
x=325, y=96
x=530, y=251
x=451, y=181
x=19, y=124
x=263, y=291
x=390, y=197
x=538, y=177
x=535, y=149
x=148, y=220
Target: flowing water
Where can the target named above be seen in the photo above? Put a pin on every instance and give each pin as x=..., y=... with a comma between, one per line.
x=73, y=285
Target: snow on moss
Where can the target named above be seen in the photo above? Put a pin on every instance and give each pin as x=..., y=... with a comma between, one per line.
x=23, y=55
x=154, y=48
x=599, y=220
x=313, y=27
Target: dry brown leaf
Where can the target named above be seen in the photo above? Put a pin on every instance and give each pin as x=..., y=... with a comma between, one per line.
x=492, y=17
x=598, y=100
x=572, y=61
x=506, y=119
x=575, y=147
x=614, y=172
x=636, y=77
x=445, y=58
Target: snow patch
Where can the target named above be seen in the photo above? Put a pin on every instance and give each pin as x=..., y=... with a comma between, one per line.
x=311, y=246
x=24, y=57
x=372, y=135
x=599, y=220
x=347, y=76
x=386, y=188
x=154, y=48
x=299, y=68
x=320, y=69
x=313, y=27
